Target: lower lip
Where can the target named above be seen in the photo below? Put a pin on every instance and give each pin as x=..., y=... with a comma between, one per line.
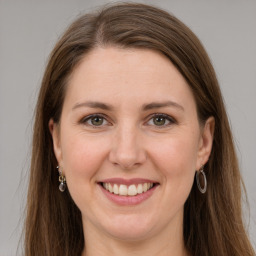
x=128, y=200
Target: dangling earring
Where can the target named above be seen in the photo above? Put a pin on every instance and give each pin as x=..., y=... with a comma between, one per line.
x=201, y=173
x=62, y=180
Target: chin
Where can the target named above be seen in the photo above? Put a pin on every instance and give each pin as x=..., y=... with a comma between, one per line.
x=129, y=228
x=128, y=235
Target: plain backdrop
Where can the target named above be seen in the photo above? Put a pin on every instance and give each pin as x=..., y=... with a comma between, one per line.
x=28, y=32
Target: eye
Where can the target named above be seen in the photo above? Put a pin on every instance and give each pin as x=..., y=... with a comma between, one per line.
x=96, y=120
x=160, y=120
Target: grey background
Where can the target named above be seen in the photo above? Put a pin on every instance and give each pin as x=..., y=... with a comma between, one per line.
x=29, y=30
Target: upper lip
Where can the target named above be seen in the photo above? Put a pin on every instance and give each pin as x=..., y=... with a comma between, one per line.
x=127, y=182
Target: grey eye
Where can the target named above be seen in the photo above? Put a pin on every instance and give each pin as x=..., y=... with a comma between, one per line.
x=96, y=120
x=159, y=120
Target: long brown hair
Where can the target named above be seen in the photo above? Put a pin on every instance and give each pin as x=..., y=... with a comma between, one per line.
x=213, y=222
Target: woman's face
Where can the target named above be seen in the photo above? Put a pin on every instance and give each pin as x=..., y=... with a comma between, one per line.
x=129, y=143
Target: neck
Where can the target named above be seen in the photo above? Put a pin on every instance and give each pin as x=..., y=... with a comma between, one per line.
x=165, y=243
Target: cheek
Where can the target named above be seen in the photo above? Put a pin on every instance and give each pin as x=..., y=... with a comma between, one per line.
x=82, y=158
x=176, y=160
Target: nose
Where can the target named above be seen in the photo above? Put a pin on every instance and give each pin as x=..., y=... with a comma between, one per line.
x=127, y=150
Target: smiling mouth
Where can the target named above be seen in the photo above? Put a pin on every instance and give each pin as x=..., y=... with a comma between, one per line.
x=128, y=190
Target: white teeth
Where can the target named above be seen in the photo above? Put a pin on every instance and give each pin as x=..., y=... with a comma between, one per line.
x=115, y=189
x=145, y=187
x=110, y=188
x=132, y=190
x=124, y=190
x=139, y=188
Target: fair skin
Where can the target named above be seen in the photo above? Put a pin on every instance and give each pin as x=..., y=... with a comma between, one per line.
x=144, y=129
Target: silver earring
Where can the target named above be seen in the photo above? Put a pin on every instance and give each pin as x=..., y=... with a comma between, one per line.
x=199, y=180
x=62, y=180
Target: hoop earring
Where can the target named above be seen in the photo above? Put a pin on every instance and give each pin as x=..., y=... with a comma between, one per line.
x=62, y=180
x=198, y=181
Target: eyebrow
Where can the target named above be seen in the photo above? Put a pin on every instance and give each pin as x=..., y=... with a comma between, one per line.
x=93, y=104
x=155, y=105
x=145, y=107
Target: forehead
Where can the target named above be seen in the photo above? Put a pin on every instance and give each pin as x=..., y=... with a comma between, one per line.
x=140, y=74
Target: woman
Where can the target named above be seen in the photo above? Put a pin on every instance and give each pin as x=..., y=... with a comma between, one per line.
x=132, y=149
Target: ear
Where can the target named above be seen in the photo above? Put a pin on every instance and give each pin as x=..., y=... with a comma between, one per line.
x=205, y=143
x=55, y=132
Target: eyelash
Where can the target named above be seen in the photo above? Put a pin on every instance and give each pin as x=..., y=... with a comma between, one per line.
x=86, y=119
x=166, y=117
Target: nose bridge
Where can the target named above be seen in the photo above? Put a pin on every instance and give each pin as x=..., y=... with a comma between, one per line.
x=127, y=150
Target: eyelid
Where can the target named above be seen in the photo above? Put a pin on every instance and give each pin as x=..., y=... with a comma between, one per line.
x=85, y=119
x=166, y=116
